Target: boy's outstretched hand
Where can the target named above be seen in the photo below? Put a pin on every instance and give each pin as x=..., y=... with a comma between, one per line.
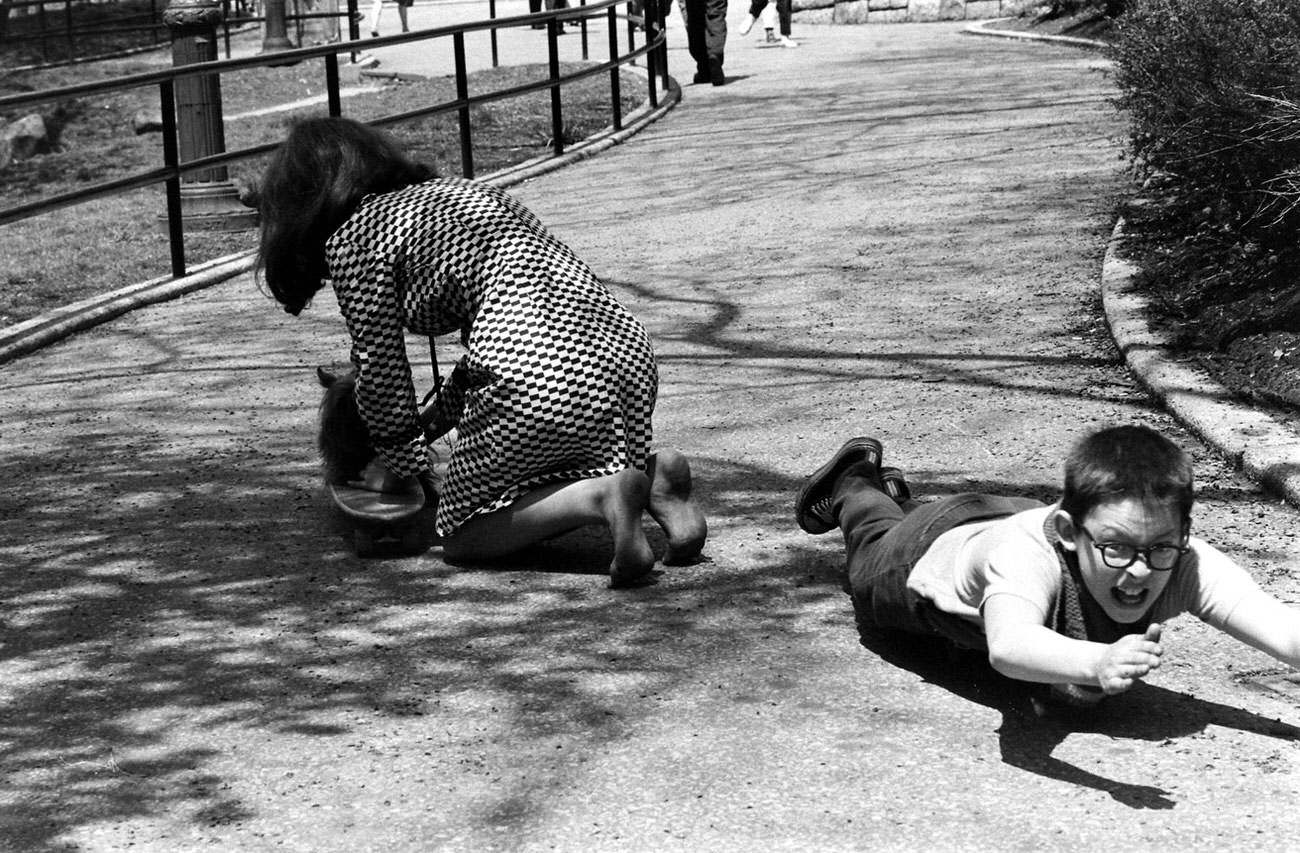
x=1128, y=659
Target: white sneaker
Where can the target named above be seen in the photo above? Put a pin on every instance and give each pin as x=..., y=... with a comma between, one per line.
x=786, y=41
x=746, y=25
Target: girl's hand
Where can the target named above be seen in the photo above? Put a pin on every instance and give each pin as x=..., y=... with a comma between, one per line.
x=377, y=478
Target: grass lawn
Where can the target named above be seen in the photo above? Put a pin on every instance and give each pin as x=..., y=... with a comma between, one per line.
x=69, y=254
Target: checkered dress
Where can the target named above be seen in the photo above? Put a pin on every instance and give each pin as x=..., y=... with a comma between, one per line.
x=559, y=382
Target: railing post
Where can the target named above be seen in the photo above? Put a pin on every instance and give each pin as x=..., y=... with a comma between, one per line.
x=557, y=115
x=661, y=29
x=492, y=33
x=67, y=29
x=653, y=22
x=615, y=78
x=462, y=94
x=208, y=198
x=582, y=29
x=40, y=22
x=171, y=158
x=354, y=28
x=332, y=85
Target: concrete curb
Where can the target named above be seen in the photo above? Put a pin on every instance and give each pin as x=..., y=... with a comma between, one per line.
x=41, y=331
x=57, y=324
x=1265, y=448
x=988, y=28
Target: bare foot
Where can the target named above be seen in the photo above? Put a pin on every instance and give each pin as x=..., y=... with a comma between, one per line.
x=672, y=507
x=622, y=503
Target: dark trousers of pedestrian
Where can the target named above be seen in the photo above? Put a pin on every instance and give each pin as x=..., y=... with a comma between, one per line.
x=784, y=11
x=882, y=544
x=706, y=35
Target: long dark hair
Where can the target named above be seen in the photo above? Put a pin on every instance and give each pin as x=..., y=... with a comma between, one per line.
x=316, y=179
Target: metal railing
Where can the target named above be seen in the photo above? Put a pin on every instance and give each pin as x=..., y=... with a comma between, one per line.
x=171, y=171
x=58, y=36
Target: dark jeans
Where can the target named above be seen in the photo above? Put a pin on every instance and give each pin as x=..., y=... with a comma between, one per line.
x=882, y=544
x=706, y=31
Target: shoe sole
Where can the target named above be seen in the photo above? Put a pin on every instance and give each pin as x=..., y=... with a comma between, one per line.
x=872, y=452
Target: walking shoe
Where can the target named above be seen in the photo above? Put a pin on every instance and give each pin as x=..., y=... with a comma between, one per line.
x=746, y=25
x=893, y=484
x=702, y=77
x=812, y=508
x=716, y=77
x=786, y=41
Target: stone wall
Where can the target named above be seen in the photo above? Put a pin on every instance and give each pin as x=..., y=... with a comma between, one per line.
x=895, y=11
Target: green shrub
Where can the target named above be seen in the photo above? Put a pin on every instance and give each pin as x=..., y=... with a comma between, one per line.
x=1210, y=88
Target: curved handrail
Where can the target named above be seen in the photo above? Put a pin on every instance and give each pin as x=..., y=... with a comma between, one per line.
x=173, y=169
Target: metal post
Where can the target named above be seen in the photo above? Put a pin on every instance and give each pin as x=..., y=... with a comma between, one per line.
x=582, y=27
x=171, y=157
x=209, y=200
x=661, y=27
x=354, y=28
x=615, y=75
x=557, y=116
x=67, y=29
x=653, y=22
x=462, y=95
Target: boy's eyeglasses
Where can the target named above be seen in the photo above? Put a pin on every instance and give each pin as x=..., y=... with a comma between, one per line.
x=1119, y=555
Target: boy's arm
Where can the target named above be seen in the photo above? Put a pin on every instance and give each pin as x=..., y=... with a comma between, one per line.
x=1265, y=623
x=1022, y=647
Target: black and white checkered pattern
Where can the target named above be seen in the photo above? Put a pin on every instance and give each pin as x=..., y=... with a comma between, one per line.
x=560, y=381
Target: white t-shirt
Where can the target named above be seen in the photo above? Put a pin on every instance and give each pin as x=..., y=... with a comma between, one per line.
x=1011, y=555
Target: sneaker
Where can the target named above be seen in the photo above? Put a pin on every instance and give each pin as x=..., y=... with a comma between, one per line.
x=786, y=41
x=771, y=38
x=812, y=508
x=893, y=484
x=746, y=25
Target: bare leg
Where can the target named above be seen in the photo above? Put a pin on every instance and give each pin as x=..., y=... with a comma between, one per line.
x=673, y=508
x=616, y=501
x=401, y=14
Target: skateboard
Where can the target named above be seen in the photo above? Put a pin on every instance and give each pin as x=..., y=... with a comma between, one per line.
x=381, y=519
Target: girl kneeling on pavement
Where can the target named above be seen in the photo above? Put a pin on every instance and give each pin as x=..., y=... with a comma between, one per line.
x=552, y=403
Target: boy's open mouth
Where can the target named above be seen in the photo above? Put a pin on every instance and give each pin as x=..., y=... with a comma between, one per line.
x=1128, y=599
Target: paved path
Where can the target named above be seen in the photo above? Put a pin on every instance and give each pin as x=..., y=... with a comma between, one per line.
x=895, y=230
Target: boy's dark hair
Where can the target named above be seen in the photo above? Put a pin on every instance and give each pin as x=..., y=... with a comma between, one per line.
x=316, y=180
x=1126, y=462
